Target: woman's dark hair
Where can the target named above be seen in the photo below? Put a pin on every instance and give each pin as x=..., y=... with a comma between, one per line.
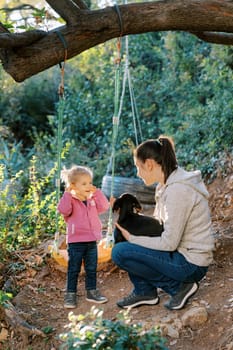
x=162, y=150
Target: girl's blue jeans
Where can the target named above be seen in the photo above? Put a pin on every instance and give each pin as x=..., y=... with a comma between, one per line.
x=149, y=269
x=85, y=252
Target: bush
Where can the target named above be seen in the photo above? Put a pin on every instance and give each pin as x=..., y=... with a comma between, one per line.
x=27, y=218
x=91, y=331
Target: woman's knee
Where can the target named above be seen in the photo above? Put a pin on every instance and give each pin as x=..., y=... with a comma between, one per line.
x=115, y=253
x=118, y=251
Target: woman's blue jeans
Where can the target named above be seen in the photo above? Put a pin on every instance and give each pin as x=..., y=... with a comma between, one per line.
x=149, y=269
x=85, y=252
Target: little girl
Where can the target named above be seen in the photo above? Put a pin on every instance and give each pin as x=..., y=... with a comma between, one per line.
x=80, y=206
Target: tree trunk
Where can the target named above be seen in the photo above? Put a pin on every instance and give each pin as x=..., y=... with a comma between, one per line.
x=87, y=29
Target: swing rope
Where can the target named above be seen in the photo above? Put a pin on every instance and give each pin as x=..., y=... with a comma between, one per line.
x=60, y=112
x=115, y=123
x=116, y=119
x=135, y=114
x=127, y=76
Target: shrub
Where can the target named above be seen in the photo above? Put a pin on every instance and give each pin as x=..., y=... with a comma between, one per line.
x=92, y=331
x=29, y=217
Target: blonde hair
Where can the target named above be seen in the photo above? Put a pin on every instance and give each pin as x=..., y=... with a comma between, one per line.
x=70, y=176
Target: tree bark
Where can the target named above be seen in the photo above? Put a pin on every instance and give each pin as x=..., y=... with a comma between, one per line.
x=20, y=39
x=86, y=29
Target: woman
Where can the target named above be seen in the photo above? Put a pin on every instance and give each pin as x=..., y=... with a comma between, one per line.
x=179, y=259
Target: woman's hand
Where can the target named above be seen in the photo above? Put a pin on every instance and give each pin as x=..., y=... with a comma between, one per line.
x=124, y=232
x=112, y=200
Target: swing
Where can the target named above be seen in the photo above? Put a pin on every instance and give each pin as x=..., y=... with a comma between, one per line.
x=58, y=252
x=61, y=255
x=116, y=118
x=58, y=249
x=127, y=184
x=146, y=194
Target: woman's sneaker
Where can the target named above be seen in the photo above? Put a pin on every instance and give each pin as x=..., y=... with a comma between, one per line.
x=70, y=300
x=133, y=300
x=186, y=290
x=94, y=295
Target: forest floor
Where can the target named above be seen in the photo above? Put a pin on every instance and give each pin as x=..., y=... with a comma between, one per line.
x=41, y=284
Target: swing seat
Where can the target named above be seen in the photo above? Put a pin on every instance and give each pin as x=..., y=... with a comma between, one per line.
x=61, y=255
x=104, y=252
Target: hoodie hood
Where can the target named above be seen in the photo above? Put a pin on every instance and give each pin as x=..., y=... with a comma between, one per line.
x=189, y=178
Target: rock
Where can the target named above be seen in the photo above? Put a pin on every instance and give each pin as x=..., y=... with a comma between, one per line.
x=195, y=317
x=178, y=324
x=172, y=331
x=169, y=330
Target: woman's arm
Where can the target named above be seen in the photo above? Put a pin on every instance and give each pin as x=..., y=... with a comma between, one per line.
x=178, y=204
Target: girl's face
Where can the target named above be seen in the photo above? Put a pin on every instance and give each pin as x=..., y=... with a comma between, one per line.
x=150, y=171
x=84, y=185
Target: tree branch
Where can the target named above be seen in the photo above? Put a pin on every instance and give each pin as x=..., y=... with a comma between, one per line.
x=19, y=8
x=9, y=40
x=67, y=9
x=215, y=38
x=87, y=28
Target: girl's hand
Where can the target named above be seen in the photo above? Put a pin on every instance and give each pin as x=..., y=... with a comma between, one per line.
x=124, y=232
x=93, y=188
x=75, y=192
x=68, y=189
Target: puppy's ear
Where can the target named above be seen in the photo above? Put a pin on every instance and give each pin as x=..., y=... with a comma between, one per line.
x=116, y=205
x=137, y=205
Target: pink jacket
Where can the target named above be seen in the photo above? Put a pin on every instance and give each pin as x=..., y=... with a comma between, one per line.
x=82, y=220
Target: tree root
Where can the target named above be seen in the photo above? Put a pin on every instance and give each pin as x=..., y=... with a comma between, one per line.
x=19, y=325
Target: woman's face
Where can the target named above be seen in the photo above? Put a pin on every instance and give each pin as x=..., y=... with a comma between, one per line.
x=150, y=171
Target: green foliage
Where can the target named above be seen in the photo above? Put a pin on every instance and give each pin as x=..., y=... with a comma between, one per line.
x=19, y=16
x=7, y=22
x=194, y=101
x=12, y=159
x=4, y=297
x=92, y=331
x=182, y=86
x=24, y=108
x=30, y=216
x=48, y=330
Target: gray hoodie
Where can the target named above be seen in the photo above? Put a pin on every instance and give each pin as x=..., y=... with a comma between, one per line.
x=182, y=206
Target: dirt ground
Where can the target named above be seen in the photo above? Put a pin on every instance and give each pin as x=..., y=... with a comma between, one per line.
x=41, y=290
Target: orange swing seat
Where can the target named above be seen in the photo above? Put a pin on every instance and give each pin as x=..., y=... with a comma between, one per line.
x=61, y=255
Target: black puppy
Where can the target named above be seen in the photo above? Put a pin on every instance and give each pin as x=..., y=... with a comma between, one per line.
x=129, y=218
